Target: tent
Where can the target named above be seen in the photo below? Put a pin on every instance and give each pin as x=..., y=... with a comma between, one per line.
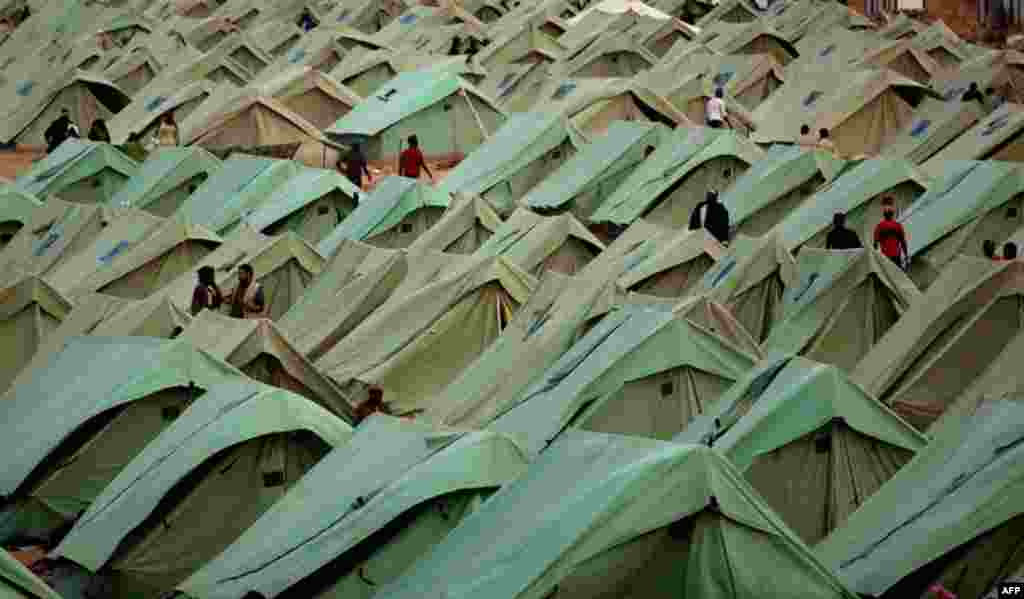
x=86, y=97
x=412, y=485
x=860, y=108
x=974, y=201
x=311, y=204
x=366, y=74
x=935, y=125
x=447, y=114
x=669, y=365
x=611, y=515
x=392, y=215
x=593, y=174
x=18, y=582
x=367, y=16
x=512, y=43
x=414, y=346
x=151, y=103
x=858, y=193
x=30, y=309
x=904, y=57
x=756, y=38
x=239, y=187
x=843, y=304
x=79, y=171
x=952, y=515
x=134, y=70
x=998, y=70
x=16, y=208
x=750, y=79
x=962, y=324
x=467, y=225
x=199, y=485
x=689, y=91
x=262, y=352
x=809, y=440
x=607, y=55
x=676, y=177
x=543, y=243
x=776, y=185
x=166, y=179
x=832, y=50
x=996, y=137
x=611, y=15
x=315, y=97
x=88, y=431
x=672, y=266
x=136, y=269
x=519, y=155
x=323, y=49
x=750, y=280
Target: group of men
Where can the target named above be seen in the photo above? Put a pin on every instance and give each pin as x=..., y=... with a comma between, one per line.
x=410, y=162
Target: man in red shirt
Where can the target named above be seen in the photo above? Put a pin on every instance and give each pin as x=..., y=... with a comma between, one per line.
x=411, y=160
x=890, y=236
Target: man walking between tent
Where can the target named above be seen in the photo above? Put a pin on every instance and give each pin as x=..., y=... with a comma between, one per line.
x=841, y=237
x=713, y=216
x=410, y=161
x=890, y=236
x=714, y=110
x=58, y=131
x=355, y=166
x=247, y=299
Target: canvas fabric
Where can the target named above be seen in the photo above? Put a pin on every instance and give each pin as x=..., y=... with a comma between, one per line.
x=538, y=243
x=466, y=226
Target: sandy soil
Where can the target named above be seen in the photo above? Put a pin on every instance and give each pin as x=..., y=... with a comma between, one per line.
x=13, y=164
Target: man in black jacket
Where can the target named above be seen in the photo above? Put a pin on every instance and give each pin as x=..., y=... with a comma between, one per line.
x=713, y=216
x=840, y=237
x=58, y=131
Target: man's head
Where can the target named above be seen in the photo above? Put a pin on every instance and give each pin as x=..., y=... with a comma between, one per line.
x=414, y=141
x=974, y=86
x=65, y=112
x=805, y=130
x=823, y=133
x=719, y=93
x=206, y=275
x=839, y=219
x=712, y=196
x=245, y=273
x=648, y=151
x=1010, y=250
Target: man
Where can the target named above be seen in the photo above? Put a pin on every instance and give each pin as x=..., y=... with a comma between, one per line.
x=1009, y=251
x=890, y=236
x=973, y=94
x=411, y=161
x=825, y=142
x=840, y=237
x=58, y=131
x=806, y=139
x=713, y=216
x=247, y=299
x=355, y=166
x=714, y=110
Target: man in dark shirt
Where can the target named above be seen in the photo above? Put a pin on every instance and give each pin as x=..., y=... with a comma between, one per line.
x=713, y=216
x=58, y=131
x=355, y=166
x=840, y=237
x=973, y=93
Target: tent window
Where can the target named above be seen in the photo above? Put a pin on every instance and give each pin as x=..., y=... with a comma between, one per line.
x=920, y=127
x=996, y=124
x=407, y=19
x=811, y=98
x=563, y=90
x=273, y=479
x=170, y=413
x=323, y=209
x=666, y=389
x=6, y=237
x=1011, y=212
x=155, y=103
x=406, y=228
x=25, y=88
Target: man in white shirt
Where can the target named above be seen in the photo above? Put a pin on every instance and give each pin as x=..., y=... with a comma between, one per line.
x=714, y=110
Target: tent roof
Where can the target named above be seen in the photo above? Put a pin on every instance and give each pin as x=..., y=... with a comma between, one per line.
x=985, y=137
x=16, y=205
x=464, y=213
x=155, y=100
x=86, y=377
x=679, y=155
x=299, y=79
x=571, y=96
x=748, y=261
x=967, y=481
x=784, y=399
x=164, y=170
x=413, y=91
x=32, y=290
x=74, y=160
x=936, y=123
x=393, y=463
x=588, y=493
x=655, y=256
x=219, y=110
x=392, y=199
x=603, y=158
x=227, y=414
x=618, y=7
x=309, y=185
x=527, y=238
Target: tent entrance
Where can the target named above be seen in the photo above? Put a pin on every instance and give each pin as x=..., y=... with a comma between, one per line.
x=269, y=370
x=283, y=287
x=21, y=336
x=764, y=219
x=675, y=282
x=470, y=241
x=673, y=206
x=570, y=258
x=760, y=307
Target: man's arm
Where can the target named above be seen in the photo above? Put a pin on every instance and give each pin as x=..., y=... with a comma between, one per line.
x=423, y=163
x=258, y=301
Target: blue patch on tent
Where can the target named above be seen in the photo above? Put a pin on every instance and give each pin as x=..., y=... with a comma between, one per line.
x=781, y=8
x=954, y=93
x=723, y=272
x=113, y=253
x=812, y=98
x=996, y=124
x=296, y=55
x=723, y=78
x=344, y=15
x=155, y=103
x=827, y=50
x=920, y=127
x=563, y=90
x=807, y=287
x=407, y=19
x=25, y=88
x=46, y=242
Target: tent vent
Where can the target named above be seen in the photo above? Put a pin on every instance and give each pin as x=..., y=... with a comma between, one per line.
x=920, y=127
x=681, y=529
x=96, y=183
x=724, y=77
x=563, y=90
x=6, y=237
x=666, y=389
x=170, y=413
x=176, y=331
x=344, y=15
x=406, y=227
x=407, y=19
x=25, y=88
x=323, y=209
x=811, y=98
x=273, y=479
x=996, y=124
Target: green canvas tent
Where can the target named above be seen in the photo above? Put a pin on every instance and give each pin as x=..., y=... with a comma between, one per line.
x=89, y=425
x=749, y=79
x=16, y=208
x=18, y=582
x=935, y=125
x=366, y=74
x=30, y=309
x=974, y=201
x=263, y=353
x=135, y=69
x=538, y=244
x=612, y=515
x=809, y=440
x=392, y=215
x=590, y=177
x=166, y=179
x=903, y=57
x=514, y=41
x=79, y=171
x=668, y=185
x=670, y=363
x=832, y=50
x=314, y=96
x=962, y=324
x=996, y=137
x=311, y=204
x=755, y=38
x=669, y=268
x=524, y=151
x=417, y=484
x=323, y=49
x=447, y=114
x=199, y=485
x=414, y=346
x=467, y=225
x=239, y=187
x=843, y=304
x=143, y=116
x=776, y=185
x=952, y=515
x=608, y=54
x=999, y=70
x=750, y=281
x=858, y=193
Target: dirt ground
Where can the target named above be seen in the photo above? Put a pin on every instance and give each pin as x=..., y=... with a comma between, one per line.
x=15, y=163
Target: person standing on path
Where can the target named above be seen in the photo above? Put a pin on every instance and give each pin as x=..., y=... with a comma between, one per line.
x=713, y=216
x=410, y=161
x=247, y=299
x=355, y=166
x=891, y=238
x=58, y=131
x=714, y=110
x=841, y=237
